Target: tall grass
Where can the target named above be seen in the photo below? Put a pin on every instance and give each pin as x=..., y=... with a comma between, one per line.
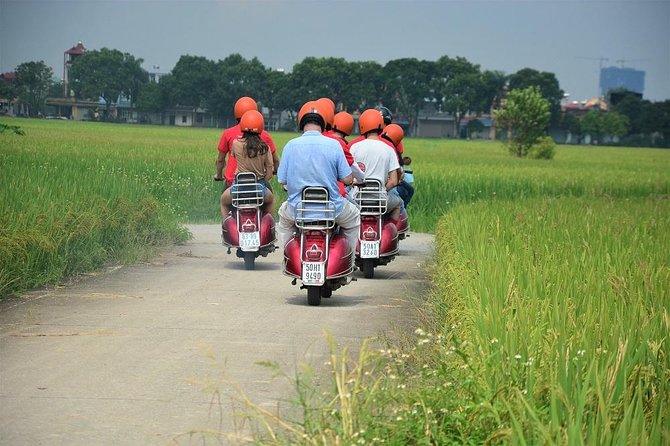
x=549, y=326
x=565, y=305
x=77, y=196
x=453, y=172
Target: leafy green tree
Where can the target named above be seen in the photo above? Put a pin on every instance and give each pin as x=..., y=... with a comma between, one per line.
x=526, y=115
x=314, y=78
x=570, y=123
x=7, y=89
x=548, y=85
x=235, y=77
x=657, y=119
x=613, y=124
x=149, y=98
x=193, y=81
x=591, y=124
x=457, y=84
x=493, y=90
x=407, y=86
x=33, y=83
x=631, y=106
x=137, y=77
x=598, y=124
x=277, y=91
x=56, y=89
x=366, y=86
x=106, y=73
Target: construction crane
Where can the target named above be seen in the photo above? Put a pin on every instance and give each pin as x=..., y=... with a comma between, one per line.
x=600, y=68
x=623, y=61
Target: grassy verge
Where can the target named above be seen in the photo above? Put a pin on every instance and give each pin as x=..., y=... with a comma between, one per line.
x=76, y=198
x=550, y=322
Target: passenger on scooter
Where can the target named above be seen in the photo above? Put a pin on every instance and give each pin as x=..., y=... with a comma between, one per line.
x=376, y=160
x=404, y=189
x=342, y=125
x=394, y=134
x=252, y=155
x=315, y=160
x=242, y=105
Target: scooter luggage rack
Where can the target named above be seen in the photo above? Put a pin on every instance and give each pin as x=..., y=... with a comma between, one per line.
x=371, y=198
x=246, y=192
x=315, y=214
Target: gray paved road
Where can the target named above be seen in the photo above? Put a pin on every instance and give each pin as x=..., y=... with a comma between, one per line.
x=136, y=355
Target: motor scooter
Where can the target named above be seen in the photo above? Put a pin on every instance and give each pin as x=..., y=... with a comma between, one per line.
x=248, y=228
x=378, y=238
x=318, y=254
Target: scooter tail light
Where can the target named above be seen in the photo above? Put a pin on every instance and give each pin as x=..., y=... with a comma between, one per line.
x=369, y=228
x=249, y=222
x=315, y=247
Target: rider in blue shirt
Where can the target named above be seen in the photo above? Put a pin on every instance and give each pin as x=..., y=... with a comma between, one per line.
x=315, y=160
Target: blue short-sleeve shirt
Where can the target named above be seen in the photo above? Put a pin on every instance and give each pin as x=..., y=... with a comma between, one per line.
x=312, y=160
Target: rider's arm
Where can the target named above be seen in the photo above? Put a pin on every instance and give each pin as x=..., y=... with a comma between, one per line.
x=392, y=181
x=275, y=162
x=269, y=171
x=357, y=172
x=220, y=165
x=348, y=180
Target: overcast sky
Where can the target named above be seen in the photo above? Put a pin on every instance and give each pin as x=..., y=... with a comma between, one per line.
x=565, y=37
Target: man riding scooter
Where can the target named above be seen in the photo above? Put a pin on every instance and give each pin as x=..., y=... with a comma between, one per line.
x=315, y=160
x=376, y=160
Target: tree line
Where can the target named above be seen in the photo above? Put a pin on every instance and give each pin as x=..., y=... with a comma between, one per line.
x=452, y=85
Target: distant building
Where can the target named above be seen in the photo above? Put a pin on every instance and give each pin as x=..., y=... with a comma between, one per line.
x=68, y=58
x=615, y=78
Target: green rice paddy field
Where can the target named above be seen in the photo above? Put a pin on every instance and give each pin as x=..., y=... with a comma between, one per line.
x=549, y=317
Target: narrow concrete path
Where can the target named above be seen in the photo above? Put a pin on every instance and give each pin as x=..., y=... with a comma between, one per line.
x=142, y=355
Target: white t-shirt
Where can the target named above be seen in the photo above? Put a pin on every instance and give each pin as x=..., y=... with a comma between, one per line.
x=375, y=158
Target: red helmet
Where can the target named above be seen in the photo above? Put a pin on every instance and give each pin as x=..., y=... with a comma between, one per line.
x=393, y=132
x=370, y=120
x=243, y=104
x=252, y=121
x=344, y=123
x=328, y=108
x=313, y=112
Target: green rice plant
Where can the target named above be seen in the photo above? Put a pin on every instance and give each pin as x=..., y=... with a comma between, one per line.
x=452, y=172
x=564, y=305
x=549, y=325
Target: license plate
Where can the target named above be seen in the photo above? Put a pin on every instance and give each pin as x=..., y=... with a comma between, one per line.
x=250, y=240
x=369, y=250
x=313, y=273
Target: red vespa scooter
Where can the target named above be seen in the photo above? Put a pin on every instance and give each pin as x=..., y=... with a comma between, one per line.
x=248, y=229
x=318, y=254
x=403, y=225
x=378, y=238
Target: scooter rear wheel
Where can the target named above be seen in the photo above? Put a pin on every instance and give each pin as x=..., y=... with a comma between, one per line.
x=314, y=295
x=368, y=268
x=249, y=260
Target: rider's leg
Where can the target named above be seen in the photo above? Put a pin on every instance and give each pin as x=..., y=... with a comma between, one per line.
x=286, y=226
x=393, y=203
x=350, y=222
x=226, y=202
x=269, y=202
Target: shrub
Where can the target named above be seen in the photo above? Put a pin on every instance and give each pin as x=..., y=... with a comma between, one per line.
x=544, y=148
